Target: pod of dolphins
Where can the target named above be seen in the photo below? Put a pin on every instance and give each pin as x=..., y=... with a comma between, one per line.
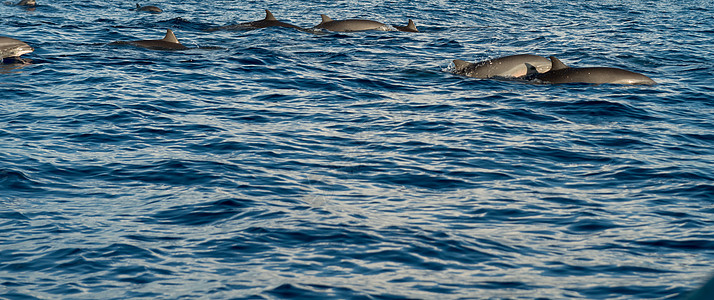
x=327, y=23
x=524, y=67
x=537, y=69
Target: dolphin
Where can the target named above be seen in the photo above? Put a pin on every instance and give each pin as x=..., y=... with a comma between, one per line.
x=12, y=49
x=269, y=21
x=349, y=25
x=561, y=73
x=507, y=66
x=704, y=292
x=411, y=27
x=23, y=3
x=149, y=8
x=169, y=42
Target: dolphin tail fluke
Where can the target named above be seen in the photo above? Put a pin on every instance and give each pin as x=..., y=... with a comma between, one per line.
x=325, y=19
x=269, y=16
x=557, y=64
x=460, y=64
x=170, y=37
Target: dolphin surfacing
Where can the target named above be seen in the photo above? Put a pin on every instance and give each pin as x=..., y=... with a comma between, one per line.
x=29, y=3
x=350, y=25
x=149, y=8
x=411, y=27
x=169, y=42
x=506, y=67
x=561, y=73
x=25, y=3
x=12, y=49
x=268, y=21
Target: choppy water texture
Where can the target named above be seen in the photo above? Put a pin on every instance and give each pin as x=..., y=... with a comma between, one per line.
x=276, y=163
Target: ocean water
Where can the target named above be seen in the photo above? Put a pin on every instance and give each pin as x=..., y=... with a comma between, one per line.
x=275, y=163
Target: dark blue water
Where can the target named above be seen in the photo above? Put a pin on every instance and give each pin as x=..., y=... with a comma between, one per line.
x=276, y=163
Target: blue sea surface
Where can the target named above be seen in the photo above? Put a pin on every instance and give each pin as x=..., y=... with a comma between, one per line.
x=276, y=163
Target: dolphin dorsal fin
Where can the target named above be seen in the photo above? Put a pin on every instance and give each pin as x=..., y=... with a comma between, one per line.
x=461, y=64
x=556, y=64
x=138, y=6
x=531, y=70
x=170, y=37
x=325, y=19
x=412, y=26
x=269, y=16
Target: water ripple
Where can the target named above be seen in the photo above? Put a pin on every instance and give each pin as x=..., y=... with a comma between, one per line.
x=276, y=163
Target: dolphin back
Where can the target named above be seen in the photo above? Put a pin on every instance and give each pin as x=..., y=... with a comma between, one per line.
x=27, y=3
x=169, y=42
x=507, y=66
x=595, y=75
x=561, y=73
x=149, y=8
x=348, y=25
x=411, y=27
